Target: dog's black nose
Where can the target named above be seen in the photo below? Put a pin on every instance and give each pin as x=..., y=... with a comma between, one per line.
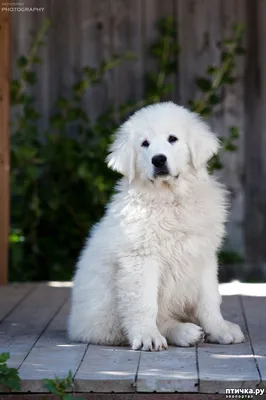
x=159, y=160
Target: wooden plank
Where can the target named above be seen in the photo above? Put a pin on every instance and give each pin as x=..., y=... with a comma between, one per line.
x=95, y=36
x=22, y=328
x=255, y=143
x=4, y=143
x=126, y=81
x=174, y=370
x=227, y=366
x=107, y=369
x=153, y=11
x=232, y=114
x=199, y=30
x=63, y=52
x=52, y=355
x=42, y=89
x=11, y=295
x=254, y=310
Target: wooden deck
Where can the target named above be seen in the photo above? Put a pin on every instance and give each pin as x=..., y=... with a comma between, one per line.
x=32, y=330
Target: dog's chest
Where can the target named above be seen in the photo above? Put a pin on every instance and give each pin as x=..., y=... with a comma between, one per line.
x=169, y=231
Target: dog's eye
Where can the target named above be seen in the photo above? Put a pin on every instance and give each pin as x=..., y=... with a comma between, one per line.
x=145, y=143
x=172, y=139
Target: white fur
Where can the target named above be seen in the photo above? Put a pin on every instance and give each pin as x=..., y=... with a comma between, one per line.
x=148, y=273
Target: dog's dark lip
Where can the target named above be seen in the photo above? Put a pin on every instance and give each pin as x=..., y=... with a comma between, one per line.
x=161, y=173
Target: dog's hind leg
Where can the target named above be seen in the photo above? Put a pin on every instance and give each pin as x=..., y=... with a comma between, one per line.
x=93, y=317
x=95, y=326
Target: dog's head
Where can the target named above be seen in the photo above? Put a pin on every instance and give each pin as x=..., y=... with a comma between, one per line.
x=160, y=142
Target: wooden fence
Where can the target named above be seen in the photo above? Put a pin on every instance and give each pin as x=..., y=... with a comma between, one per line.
x=84, y=32
x=4, y=143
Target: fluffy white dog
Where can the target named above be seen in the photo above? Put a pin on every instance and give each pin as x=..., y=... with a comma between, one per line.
x=148, y=273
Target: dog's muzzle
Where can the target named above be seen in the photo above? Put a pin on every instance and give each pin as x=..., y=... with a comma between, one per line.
x=160, y=165
x=160, y=172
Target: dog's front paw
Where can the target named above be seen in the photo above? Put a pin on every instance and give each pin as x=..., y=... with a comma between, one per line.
x=150, y=341
x=187, y=334
x=229, y=333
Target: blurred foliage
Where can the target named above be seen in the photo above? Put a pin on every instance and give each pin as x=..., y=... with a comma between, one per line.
x=229, y=257
x=61, y=387
x=213, y=86
x=60, y=182
x=9, y=377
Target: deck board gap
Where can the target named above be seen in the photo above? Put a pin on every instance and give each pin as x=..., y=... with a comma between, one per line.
x=197, y=366
x=81, y=361
x=19, y=302
x=43, y=330
x=137, y=371
x=249, y=336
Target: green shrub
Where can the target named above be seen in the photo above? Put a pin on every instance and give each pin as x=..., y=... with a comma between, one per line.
x=60, y=387
x=60, y=182
x=9, y=378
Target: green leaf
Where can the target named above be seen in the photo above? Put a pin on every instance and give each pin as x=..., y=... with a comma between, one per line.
x=36, y=60
x=57, y=121
x=240, y=50
x=80, y=87
x=228, y=79
x=70, y=376
x=234, y=132
x=49, y=385
x=215, y=164
x=224, y=56
x=4, y=357
x=107, y=66
x=30, y=77
x=212, y=70
x=167, y=88
x=214, y=99
x=22, y=62
x=130, y=56
x=228, y=41
x=239, y=29
x=62, y=102
x=89, y=71
x=230, y=147
x=230, y=257
x=156, y=49
x=204, y=84
x=13, y=382
x=30, y=113
x=171, y=67
x=166, y=26
x=205, y=112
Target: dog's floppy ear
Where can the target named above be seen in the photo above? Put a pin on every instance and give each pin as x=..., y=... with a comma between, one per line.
x=122, y=153
x=203, y=144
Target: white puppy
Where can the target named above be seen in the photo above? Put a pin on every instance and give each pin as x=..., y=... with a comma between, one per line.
x=148, y=273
